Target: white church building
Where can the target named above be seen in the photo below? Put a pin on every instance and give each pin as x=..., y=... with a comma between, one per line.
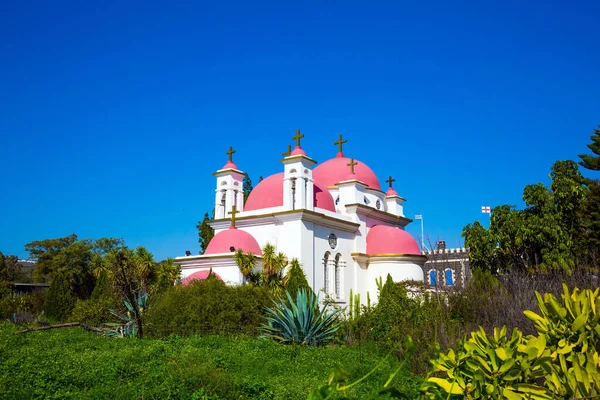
x=333, y=217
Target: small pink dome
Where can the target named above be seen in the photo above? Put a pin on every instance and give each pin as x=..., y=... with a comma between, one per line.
x=336, y=169
x=199, y=276
x=298, y=151
x=230, y=165
x=383, y=239
x=269, y=193
x=391, y=192
x=233, y=237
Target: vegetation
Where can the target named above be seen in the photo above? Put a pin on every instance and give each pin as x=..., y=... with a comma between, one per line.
x=73, y=363
x=295, y=279
x=205, y=232
x=302, y=321
x=59, y=301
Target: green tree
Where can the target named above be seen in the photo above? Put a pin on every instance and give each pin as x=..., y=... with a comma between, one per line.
x=59, y=300
x=246, y=263
x=592, y=162
x=273, y=265
x=247, y=186
x=295, y=279
x=205, y=233
x=10, y=269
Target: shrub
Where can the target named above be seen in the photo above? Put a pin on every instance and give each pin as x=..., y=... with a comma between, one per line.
x=301, y=321
x=295, y=279
x=92, y=312
x=59, y=300
x=207, y=306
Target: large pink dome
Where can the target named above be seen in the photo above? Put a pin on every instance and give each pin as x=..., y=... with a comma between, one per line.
x=223, y=241
x=383, y=239
x=335, y=170
x=269, y=193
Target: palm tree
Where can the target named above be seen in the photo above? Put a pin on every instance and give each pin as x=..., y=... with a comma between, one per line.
x=273, y=266
x=144, y=263
x=246, y=262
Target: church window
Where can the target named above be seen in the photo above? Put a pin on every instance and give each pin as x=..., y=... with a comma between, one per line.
x=366, y=200
x=337, y=200
x=378, y=204
x=326, y=272
x=332, y=239
x=433, y=277
x=223, y=197
x=449, y=278
x=337, y=277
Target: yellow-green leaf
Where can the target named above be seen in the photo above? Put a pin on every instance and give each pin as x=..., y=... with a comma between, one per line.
x=452, y=388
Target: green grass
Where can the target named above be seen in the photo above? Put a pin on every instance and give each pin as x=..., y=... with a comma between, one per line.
x=73, y=363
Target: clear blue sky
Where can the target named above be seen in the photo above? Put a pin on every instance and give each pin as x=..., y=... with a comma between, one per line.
x=115, y=114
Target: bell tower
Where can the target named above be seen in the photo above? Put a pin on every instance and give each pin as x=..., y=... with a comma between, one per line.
x=229, y=192
x=298, y=185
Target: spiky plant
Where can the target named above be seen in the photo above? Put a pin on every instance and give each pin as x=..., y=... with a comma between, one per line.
x=302, y=321
x=128, y=326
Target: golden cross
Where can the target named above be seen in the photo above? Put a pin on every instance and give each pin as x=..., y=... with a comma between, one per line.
x=351, y=164
x=298, y=137
x=389, y=181
x=288, y=152
x=233, y=212
x=230, y=153
x=340, y=142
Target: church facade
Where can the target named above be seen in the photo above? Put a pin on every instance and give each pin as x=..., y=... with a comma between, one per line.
x=333, y=217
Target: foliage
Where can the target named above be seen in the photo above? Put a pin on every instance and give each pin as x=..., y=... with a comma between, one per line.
x=571, y=330
x=246, y=263
x=20, y=308
x=592, y=162
x=129, y=325
x=273, y=266
x=92, y=312
x=207, y=306
x=59, y=299
x=295, y=279
x=563, y=355
x=73, y=363
x=548, y=234
x=10, y=270
x=205, y=233
x=247, y=187
x=301, y=321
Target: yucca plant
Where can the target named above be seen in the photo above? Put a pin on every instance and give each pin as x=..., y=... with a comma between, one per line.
x=302, y=321
x=128, y=326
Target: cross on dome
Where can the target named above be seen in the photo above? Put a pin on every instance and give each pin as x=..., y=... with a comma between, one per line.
x=297, y=137
x=390, y=181
x=288, y=152
x=230, y=153
x=340, y=143
x=233, y=212
x=351, y=164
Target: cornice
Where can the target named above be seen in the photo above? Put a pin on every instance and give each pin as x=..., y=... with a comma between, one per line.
x=288, y=215
x=298, y=156
x=388, y=257
x=377, y=214
x=227, y=171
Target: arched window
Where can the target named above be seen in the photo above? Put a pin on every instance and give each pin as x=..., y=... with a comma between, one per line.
x=338, y=278
x=432, y=277
x=449, y=278
x=326, y=272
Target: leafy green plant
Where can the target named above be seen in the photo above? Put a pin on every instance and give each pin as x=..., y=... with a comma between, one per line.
x=128, y=327
x=494, y=366
x=295, y=278
x=301, y=321
x=59, y=300
x=571, y=330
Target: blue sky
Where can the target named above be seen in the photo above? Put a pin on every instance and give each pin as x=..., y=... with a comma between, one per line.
x=115, y=114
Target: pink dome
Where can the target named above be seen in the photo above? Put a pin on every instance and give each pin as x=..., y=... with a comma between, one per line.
x=391, y=192
x=233, y=237
x=230, y=165
x=298, y=151
x=199, y=276
x=336, y=170
x=269, y=193
x=383, y=239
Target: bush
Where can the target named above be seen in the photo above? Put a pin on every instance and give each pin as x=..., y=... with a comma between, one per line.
x=295, y=279
x=207, y=306
x=59, y=300
x=93, y=312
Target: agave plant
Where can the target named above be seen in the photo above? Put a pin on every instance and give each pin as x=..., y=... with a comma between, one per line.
x=128, y=325
x=301, y=321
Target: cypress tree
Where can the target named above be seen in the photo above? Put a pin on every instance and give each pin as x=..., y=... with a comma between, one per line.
x=205, y=233
x=247, y=186
x=592, y=161
x=295, y=279
x=59, y=300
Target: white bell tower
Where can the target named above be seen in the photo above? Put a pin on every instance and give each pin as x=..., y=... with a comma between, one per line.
x=229, y=192
x=298, y=184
